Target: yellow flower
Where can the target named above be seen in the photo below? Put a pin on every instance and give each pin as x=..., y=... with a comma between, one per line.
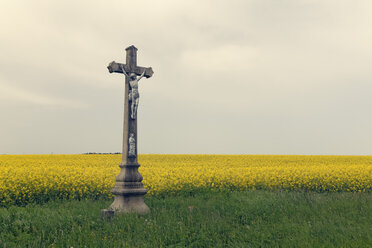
x=35, y=178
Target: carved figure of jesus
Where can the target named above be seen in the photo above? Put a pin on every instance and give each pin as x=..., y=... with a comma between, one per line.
x=133, y=91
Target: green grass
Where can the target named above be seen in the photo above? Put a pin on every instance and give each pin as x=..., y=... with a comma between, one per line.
x=218, y=219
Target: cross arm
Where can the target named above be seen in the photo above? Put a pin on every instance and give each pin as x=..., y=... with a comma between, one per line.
x=116, y=67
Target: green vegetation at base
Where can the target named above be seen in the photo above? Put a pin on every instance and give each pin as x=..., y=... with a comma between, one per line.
x=202, y=219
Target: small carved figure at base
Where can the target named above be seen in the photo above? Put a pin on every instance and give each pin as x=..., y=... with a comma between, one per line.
x=132, y=146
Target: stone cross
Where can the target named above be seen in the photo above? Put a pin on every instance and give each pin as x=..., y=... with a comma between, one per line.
x=129, y=190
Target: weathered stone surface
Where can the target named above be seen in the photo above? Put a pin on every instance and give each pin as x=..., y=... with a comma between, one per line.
x=116, y=67
x=129, y=190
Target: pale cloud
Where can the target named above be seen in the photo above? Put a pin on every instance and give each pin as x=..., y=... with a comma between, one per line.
x=12, y=95
x=222, y=59
x=278, y=76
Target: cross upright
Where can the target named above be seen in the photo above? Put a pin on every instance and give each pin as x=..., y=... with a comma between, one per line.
x=129, y=190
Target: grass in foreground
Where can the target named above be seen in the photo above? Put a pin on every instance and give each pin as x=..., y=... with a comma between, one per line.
x=218, y=219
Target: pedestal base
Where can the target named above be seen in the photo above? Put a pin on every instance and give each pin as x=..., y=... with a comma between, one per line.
x=123, y=205
x=127, y=203
x=128, y=192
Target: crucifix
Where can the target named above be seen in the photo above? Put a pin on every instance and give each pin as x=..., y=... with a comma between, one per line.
x=129, y=190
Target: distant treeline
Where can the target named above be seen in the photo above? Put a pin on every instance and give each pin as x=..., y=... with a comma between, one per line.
x=88, y=153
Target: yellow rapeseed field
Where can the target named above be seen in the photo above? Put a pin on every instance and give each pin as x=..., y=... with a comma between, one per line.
x=36, y=178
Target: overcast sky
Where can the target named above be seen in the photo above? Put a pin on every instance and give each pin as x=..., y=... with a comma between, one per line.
x=230, y=77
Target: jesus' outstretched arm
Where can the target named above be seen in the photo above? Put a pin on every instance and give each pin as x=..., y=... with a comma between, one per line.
x=143, y=73
x=122, y=68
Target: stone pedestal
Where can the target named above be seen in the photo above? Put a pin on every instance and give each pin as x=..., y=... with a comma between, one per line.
x=129, y=191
